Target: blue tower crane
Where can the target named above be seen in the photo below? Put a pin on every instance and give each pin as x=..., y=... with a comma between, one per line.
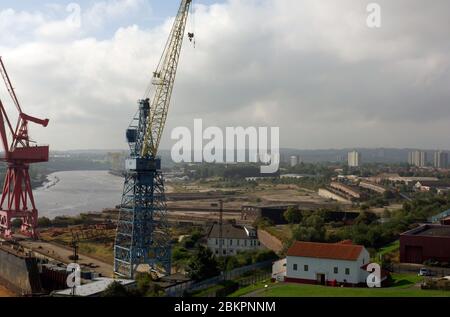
x=142, y=236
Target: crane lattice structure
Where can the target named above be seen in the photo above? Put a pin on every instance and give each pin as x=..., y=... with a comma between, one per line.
x=17, y=201
x=142, y=235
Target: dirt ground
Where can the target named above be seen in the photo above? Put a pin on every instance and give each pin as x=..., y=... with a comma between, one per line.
x=5, y=292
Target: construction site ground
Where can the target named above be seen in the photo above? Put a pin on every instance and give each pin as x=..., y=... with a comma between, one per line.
x=62, y=254
x=4, y=292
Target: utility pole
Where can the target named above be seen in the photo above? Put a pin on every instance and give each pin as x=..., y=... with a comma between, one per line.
x=220, y=205
x=221, y=227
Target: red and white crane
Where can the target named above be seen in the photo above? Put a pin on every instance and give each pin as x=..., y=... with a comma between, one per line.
x=17, y=201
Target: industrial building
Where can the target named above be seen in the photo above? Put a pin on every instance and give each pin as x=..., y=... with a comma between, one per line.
x=426, y=186
x=94, y=288
x=231, y=239
x=426, y=242
x=350, y=192
x=274, y=213
x=326, y=263
x=372, y=186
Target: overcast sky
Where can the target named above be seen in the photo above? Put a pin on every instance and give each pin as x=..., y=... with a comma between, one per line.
x=311, y=67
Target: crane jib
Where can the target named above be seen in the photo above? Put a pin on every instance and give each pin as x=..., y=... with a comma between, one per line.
x=164, y=79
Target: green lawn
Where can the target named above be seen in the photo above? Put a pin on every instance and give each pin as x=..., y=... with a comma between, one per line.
x=390, y=248
x=404, y=286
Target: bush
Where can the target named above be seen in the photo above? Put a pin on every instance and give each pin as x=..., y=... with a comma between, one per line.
x=116, y=289
x=292, y=215
x=203, y=265
x=44, y=222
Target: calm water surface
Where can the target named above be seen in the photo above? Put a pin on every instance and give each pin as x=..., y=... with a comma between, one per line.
x=74, y=192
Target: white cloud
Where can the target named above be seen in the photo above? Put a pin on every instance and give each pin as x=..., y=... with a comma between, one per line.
x=311, y=67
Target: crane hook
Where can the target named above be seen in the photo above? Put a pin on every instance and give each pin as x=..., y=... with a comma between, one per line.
x=191, y=37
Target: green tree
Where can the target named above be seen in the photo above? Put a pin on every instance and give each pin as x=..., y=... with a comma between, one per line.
x=147, y=287
x=366, y=217
x=293, y=215
x=309, y=234
x=203, y=265
x=44, y=222
x=116, y=289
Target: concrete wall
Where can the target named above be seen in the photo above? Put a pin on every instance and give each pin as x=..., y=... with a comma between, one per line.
x=19, y=273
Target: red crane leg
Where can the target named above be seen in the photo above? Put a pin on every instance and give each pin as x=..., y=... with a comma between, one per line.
x=15, y=201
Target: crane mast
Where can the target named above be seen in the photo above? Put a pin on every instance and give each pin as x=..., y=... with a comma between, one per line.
x=16, y=200
x=142, y=235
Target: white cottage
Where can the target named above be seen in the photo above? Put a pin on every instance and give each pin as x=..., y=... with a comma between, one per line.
x=325, y=263
x=234, y=239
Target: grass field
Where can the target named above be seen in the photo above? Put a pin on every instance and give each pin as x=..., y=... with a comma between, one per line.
x=403, y=286
x=394, y=246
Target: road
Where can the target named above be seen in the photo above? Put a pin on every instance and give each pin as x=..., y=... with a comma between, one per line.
x=62, y=254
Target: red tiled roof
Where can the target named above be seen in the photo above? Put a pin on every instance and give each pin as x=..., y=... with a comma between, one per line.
x=325, y=250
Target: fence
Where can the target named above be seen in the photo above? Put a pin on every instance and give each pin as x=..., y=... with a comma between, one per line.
x=410, y=268
x=254, y=279
x=178, y=290
x=242, y=282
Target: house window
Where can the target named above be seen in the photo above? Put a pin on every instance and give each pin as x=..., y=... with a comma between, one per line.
x=336, y=270
x=347, y=271
x=217, y=241
x=306, y=268
x=217, y=251
x=295, y=267
x=224, y=252
x=231, y=241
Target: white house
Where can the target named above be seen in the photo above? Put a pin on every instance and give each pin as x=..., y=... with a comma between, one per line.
x=279, y=270
x=234, y=239
x=325, y=263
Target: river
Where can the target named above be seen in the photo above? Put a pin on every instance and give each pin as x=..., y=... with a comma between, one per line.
x=70, y=193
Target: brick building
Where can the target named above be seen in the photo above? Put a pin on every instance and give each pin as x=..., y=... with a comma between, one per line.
x=427, y=242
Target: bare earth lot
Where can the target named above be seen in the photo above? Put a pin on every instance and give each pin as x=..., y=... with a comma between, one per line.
x=5, y=292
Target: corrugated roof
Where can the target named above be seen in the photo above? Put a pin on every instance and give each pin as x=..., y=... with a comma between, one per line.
x=325, y=250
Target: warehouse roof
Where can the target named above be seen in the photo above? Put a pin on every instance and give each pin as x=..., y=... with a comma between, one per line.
x=334, y=251
x=95, y=288
x=429, y=231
